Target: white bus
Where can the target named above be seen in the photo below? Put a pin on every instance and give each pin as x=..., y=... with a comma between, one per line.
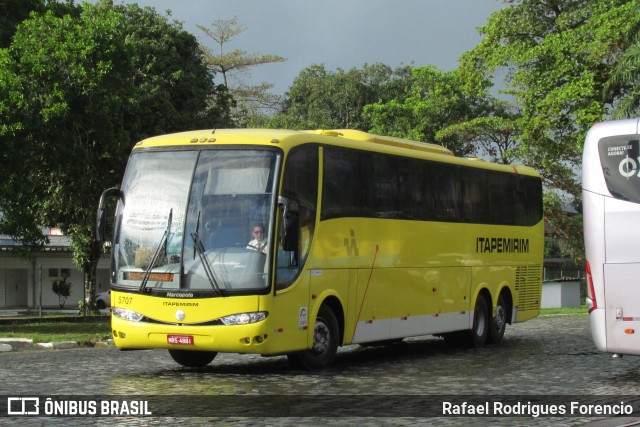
x=611, y=205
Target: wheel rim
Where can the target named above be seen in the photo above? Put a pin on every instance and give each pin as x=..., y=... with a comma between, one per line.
x=481, y=322
x=321, y=337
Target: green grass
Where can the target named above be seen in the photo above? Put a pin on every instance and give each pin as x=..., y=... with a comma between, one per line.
x=57, y=331
x=581, y=310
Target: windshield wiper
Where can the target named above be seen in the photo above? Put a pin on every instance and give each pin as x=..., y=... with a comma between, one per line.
x=165, y=237
x=199, y=247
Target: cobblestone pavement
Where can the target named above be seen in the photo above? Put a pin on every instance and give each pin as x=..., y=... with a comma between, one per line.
x=550, y=355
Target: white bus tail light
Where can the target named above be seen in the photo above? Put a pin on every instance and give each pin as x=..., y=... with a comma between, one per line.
x=592, y=304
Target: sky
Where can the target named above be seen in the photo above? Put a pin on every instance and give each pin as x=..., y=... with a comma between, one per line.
x=339, y=33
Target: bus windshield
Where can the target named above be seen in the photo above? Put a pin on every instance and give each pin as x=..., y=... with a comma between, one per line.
x=196, y=221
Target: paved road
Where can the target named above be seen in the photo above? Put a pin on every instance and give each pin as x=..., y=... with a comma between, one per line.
x=548, y=356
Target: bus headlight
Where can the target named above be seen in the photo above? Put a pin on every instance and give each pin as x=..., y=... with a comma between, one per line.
x=244, y=318
x=126, y=314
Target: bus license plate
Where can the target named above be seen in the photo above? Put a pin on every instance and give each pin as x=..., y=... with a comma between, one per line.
x=180, y=339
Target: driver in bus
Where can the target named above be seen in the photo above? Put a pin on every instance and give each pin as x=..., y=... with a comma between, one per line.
x=259, y=242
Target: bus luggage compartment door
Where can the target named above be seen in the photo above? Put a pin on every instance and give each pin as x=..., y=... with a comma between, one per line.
x=622, y=293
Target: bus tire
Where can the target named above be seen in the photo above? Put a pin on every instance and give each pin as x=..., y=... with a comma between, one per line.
x=192, y=359
x=498, y=322
x=326, y=335
x=477, y=336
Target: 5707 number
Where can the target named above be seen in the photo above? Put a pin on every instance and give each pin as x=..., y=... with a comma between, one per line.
x=125, y=300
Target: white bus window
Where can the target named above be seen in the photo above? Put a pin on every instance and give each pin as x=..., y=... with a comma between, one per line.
x=620, y=159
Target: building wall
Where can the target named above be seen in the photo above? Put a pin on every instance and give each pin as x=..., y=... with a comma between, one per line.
x=15, y=282
x=28, y=283
x=12, y=291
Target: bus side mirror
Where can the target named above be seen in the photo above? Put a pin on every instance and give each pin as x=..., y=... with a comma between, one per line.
x=101, y=219
x=290, y=233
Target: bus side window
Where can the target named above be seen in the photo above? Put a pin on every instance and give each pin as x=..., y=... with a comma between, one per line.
x=300, y=188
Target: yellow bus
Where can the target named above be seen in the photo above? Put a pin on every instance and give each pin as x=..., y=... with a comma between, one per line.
x=294, y=243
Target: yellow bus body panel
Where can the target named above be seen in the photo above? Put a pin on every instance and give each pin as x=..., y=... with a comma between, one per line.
x=415, y=278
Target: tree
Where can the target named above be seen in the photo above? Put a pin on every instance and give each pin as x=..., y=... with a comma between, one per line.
x=434, y=100
x=323, y=99
x=493, y=136
x=234, y=68
x=624, y=83
x=13, y=12
x=558, y=55
x=76, y=91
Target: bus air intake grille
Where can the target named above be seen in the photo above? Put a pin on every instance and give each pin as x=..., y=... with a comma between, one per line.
x=529, y=286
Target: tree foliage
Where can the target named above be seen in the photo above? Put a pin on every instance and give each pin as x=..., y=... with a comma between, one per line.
x=323, y=99
x=433, y=101
x=234, y=68
x=13, y=12
x=493, y=137
x=75, y=92
x=624, y=83
x=557, y=57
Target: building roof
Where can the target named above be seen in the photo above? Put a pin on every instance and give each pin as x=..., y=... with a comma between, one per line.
x=57, y=243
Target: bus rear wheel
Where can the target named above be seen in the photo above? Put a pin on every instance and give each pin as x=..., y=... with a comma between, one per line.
x=193, y=359
x=325, y=342
x=498, y=322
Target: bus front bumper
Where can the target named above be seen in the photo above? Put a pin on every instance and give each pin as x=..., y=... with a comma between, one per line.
x=249, y=338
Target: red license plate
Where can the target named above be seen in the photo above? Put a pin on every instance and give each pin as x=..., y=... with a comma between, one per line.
x=180, y=339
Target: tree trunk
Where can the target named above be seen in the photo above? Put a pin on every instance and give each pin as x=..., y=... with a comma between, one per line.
x=89, y=307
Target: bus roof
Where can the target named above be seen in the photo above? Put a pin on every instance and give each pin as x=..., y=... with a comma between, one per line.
x=342, y=137
x=270, y=135
x=385, y=140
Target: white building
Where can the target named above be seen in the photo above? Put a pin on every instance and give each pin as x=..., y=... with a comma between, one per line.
x=27, y=283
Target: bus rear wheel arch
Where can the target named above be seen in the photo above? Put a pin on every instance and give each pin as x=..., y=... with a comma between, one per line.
x=326, y=338
x=479, y=332
x=193, y=359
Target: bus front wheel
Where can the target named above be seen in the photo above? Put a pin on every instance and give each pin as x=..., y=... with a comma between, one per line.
x=325, y=342
x=193, y=359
